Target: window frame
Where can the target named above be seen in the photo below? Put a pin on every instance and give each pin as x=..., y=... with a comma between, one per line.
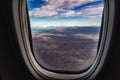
x=22, y=25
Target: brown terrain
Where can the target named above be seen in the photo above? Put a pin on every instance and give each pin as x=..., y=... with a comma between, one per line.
x=72, y=51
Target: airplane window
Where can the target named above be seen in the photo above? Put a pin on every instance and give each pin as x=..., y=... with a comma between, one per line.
x=65, y=33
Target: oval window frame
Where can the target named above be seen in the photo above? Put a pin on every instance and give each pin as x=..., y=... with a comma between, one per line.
x=21, y=22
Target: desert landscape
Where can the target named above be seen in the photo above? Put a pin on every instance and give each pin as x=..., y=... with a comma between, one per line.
x=65, y=48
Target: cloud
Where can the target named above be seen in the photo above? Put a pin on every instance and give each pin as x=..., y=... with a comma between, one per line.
x=64, y=8
x=38, y=12
x=92, y=11
x=62, y=4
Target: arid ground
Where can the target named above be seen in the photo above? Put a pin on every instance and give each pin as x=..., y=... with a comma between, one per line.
x=69, y=49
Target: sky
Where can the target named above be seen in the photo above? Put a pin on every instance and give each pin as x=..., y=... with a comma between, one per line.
x=65, y=13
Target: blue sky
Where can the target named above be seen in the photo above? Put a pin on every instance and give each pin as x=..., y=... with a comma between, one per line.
x=45, y=13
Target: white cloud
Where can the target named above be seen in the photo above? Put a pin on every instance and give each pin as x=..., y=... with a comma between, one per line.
x=38, y=12
x=63, y=8
x=70, y=13
x=92, y=12
x=59, y=4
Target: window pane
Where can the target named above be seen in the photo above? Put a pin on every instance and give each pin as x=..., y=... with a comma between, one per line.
x=65, y=33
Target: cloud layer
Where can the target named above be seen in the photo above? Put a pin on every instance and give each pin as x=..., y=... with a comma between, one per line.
x=65, y=8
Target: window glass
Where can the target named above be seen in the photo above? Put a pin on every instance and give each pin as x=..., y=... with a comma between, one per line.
x=65, y=33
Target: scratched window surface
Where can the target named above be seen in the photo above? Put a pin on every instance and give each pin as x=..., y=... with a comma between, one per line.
x=65, y=33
